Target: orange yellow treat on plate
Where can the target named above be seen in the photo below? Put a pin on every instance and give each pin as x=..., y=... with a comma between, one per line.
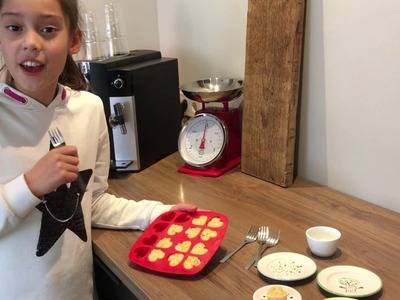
x=191, y=261
x=276, y=293
x=175, y=259
x=207, y=234
x=183, y=247
x=173, y=229
x=164, y=243
x=215, y=223
x=192, y=232
x=199, y=249
x=200, y=220
x=156, y=254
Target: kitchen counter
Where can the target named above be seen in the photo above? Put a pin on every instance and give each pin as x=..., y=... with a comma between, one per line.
x=370, y=234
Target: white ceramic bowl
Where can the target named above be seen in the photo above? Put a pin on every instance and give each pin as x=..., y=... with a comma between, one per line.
x=323, y=240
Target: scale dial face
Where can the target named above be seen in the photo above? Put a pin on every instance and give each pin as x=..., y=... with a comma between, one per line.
x=202, y=140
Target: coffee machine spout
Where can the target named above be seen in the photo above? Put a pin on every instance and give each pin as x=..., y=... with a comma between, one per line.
x=117, y=119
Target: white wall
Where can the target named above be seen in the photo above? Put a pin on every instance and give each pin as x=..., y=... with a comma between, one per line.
x=207, y=36
x=350, y=124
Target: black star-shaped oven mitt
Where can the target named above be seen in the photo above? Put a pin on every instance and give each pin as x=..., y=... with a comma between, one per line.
x=62, y=210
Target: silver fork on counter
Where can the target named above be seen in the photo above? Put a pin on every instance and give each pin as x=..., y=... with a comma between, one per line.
x=261, y=239
x=272, y=240
x=57, y=140
x=250, y=238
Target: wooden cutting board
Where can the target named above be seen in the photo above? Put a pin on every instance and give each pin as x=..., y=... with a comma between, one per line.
x=271, y=88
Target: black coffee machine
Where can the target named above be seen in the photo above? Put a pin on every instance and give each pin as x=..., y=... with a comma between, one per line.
x=140, y=92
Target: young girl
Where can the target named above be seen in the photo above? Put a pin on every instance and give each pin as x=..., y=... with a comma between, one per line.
x=45, y=216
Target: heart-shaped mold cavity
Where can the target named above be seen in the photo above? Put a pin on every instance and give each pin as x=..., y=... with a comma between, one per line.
x=168, y=217
x=141, y=251
x=160, y=227
x=182, y=218
x=150, y=240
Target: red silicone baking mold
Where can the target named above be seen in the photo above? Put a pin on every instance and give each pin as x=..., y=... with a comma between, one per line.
x=140, y=251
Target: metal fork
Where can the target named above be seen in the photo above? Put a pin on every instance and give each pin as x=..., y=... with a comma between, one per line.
x=56, y=137
x=261, y=239
x=250, y=238
x=272, y=240
x=57, y=140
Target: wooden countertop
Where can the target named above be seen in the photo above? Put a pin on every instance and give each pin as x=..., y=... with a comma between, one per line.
x=370, y=234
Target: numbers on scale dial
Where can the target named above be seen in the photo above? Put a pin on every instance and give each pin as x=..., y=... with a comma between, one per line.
x=202, y=140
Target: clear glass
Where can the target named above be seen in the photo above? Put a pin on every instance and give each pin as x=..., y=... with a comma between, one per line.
x=94, y=48
x=116, y=40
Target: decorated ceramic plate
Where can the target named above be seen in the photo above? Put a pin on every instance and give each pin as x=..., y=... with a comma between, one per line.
x=349, y=281
x=286, y=266
x=339, y=298
x=178, y=242
x=261, y=293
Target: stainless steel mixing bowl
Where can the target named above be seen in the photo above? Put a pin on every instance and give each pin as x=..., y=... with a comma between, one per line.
x=213, y=89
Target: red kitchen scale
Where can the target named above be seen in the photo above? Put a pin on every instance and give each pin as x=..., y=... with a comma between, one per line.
x=210, y=142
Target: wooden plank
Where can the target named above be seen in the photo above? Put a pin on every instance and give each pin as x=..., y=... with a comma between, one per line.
x=271, y=89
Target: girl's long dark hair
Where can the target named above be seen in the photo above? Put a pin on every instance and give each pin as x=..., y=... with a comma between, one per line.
x=72, y=77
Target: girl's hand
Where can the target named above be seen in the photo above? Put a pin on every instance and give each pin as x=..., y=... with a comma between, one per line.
x=184, y=207
x=59, y=166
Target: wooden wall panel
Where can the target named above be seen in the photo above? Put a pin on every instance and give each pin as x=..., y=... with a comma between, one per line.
x=271, y=88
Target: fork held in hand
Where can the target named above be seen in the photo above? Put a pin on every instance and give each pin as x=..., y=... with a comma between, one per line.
x=57, y=140
x=250, y=237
